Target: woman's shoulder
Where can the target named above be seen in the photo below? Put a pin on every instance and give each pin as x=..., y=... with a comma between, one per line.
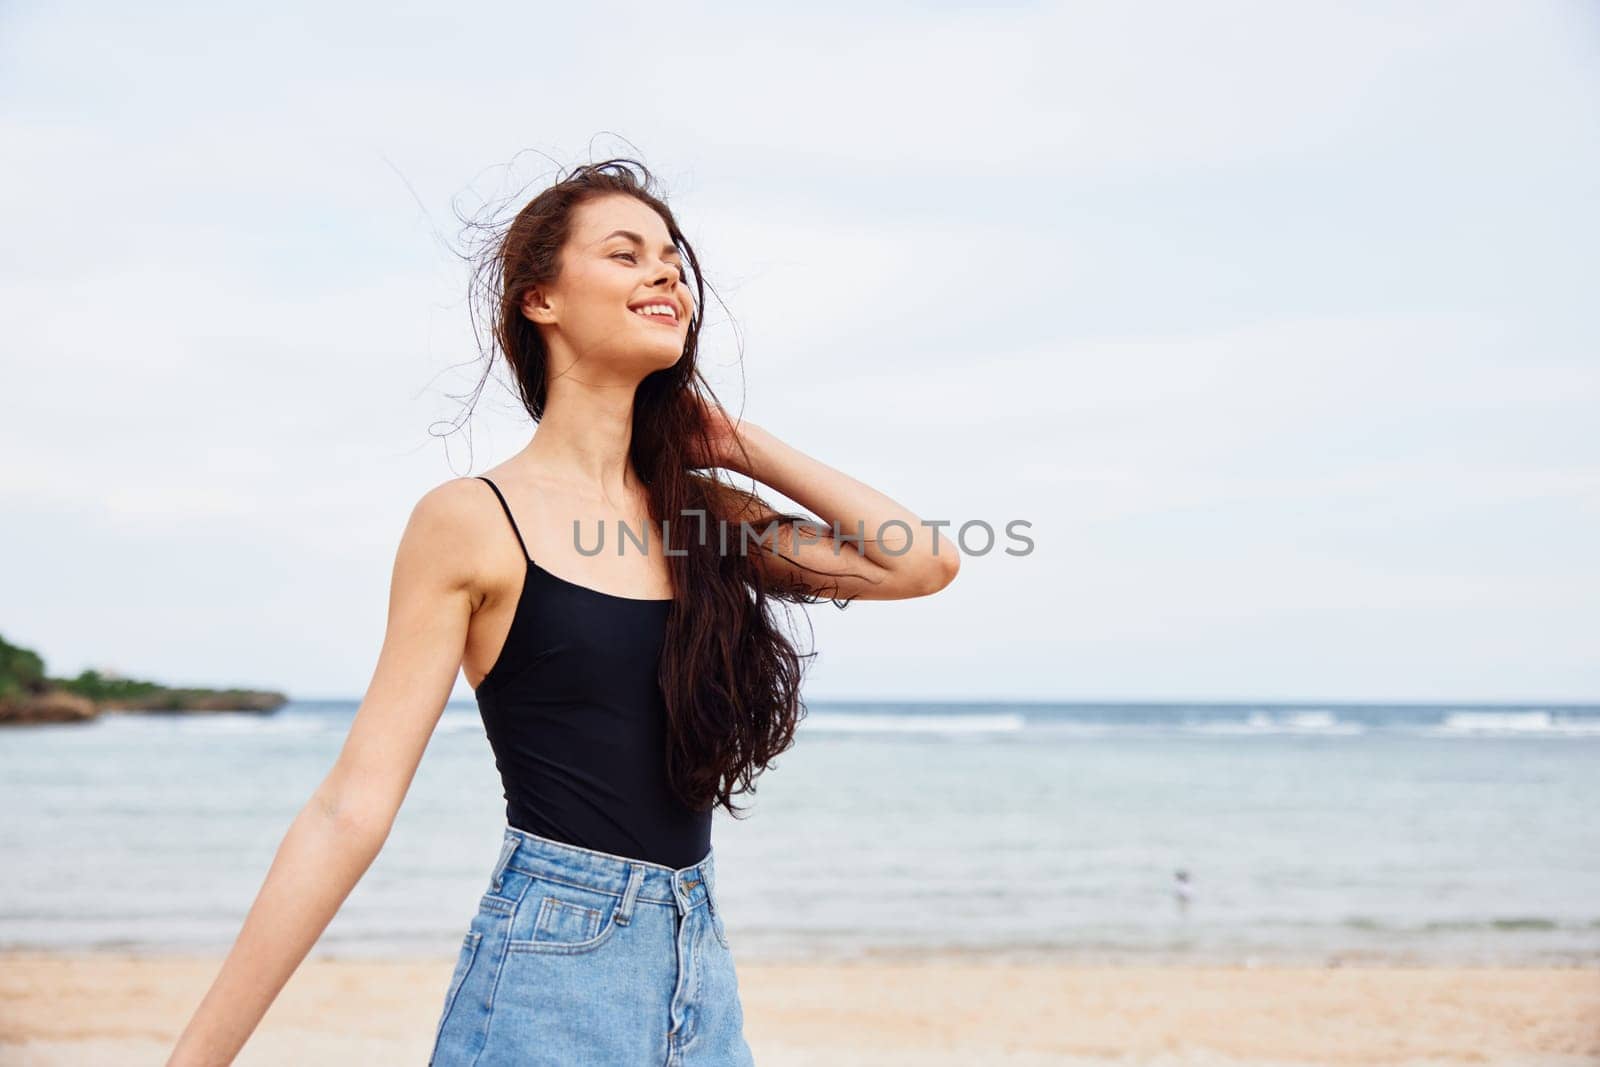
x=460, y=515
x=458, y=527
x=458, y=501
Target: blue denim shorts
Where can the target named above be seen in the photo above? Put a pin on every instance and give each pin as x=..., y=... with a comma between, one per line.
x=584, y=957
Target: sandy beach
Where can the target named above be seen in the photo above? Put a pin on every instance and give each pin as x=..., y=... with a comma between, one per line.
x=125, y=1010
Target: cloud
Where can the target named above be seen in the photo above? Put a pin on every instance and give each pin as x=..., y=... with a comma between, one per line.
x=1268, y=316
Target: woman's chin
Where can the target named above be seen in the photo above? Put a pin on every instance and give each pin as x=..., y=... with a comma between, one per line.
x=668, y=354
x=651, y=358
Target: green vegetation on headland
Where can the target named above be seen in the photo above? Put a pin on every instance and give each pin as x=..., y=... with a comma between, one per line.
x=28, y=695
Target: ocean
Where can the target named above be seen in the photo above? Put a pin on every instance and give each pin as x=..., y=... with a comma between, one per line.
x=1318, y=834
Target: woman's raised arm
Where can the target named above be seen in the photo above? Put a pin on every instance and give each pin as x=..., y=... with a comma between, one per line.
x=342, y=827
x=914, y=559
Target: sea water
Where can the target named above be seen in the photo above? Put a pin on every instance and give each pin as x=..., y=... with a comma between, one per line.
x=1309, y=834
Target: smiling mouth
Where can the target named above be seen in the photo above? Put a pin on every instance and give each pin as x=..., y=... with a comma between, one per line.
x=664, y=320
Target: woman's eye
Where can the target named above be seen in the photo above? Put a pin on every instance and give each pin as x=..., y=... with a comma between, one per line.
x=634, y=259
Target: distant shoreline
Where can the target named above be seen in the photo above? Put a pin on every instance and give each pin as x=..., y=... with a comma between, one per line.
x=28, y=695
x=60, y=705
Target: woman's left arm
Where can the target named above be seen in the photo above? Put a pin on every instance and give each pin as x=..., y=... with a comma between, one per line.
x=868, y=548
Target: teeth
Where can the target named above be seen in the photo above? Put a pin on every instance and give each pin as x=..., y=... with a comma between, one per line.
x=657, y=309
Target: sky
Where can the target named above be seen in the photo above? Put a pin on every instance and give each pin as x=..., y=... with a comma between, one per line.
x=1274, y=321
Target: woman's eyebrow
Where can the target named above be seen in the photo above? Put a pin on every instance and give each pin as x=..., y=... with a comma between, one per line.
x=636, y=239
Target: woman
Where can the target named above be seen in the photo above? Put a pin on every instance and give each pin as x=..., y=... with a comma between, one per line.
x=625, y=695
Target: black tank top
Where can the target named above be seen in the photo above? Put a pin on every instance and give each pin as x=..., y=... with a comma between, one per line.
x=575, y=717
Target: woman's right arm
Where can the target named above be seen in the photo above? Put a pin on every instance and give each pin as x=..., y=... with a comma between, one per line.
x=342, y=827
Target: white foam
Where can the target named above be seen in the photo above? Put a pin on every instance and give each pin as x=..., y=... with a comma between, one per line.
x=247, y=723
x=1515, y=723
x=1292, y=722
x=836, y=722
x=453, y=722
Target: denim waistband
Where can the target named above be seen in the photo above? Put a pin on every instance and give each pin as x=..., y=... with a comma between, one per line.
x=634, y=881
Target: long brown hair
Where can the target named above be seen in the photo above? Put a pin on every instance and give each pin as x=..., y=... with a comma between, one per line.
x=729, y=674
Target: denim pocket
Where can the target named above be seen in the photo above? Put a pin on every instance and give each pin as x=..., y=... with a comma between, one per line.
x=560, y=917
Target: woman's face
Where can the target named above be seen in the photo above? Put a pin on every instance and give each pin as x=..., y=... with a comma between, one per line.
x=618, y=260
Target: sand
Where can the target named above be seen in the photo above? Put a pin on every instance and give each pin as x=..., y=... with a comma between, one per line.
x=102, y=1009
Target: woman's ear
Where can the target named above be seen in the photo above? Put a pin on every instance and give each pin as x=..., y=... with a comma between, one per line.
x=535, y=308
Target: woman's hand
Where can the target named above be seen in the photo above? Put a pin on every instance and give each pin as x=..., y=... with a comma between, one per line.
x=726, y=442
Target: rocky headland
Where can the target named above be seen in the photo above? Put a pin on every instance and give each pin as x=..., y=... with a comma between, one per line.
x=27, y=695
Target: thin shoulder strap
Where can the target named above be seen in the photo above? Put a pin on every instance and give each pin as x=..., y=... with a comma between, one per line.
x=507, y=508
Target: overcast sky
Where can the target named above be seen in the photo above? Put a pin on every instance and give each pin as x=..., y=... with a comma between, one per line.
x=1276, y=322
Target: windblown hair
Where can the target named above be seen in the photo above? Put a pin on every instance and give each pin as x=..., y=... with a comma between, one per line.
x=729, y=674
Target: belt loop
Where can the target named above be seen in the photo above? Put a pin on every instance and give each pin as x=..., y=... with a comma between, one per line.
x=507, y=847
x=635, y=880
